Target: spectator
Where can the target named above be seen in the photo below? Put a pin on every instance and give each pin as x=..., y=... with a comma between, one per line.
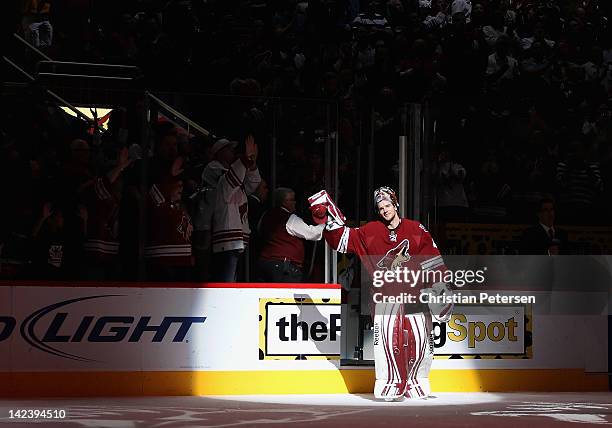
x=535, y=62
x=579, y=182
x=492, y=189
x=283, y=234
x=37, y=28
x=500, y=65
x=502, y=73
x=544, y=237
x=101, y=198
x=231, y=231
x=77, y=168
x=168, y=247
x=166, y=150
x=539, y=36
x=50, y=239
x=371, y=21
x=477, y=16
x=462, y=7
x=452, y=200
x=495, y=29
x=223, y=155
x=437, y=17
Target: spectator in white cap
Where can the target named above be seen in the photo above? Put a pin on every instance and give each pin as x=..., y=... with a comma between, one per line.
x=223, y=151
x=230, y=179
x=223, y=154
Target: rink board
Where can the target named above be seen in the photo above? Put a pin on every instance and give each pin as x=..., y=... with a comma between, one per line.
x=82, y=339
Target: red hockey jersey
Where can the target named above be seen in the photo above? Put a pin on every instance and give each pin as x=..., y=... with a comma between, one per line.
x=409, y=246
x=103, y=220
x=382, y=248
x=169, y=233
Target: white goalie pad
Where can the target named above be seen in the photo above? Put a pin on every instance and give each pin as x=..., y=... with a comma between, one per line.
x=403, y=352
x=421, y=351
x=389, y=352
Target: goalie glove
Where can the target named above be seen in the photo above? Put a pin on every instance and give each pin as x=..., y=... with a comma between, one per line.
x=324, y=210
x=319, y=213
x=440, y=301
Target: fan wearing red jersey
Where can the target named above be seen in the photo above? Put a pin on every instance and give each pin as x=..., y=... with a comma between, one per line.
x=403, y=341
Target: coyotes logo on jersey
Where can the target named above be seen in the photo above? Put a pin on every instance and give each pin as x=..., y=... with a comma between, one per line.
x=185, y=228
x=56, y=254
x=395, y=257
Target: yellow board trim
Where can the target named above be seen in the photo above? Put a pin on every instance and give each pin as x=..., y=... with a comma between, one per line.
x=86, y=384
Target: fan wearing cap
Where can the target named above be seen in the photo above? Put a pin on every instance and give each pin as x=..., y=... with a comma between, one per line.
x=233, y=178
x=223, y=151
x=223, y=154
x=404, y=353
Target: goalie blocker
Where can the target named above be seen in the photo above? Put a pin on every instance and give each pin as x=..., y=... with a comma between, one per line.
x=403, y=341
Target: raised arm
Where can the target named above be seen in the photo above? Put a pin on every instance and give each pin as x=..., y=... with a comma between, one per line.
x=243, y=173
x=338, y=236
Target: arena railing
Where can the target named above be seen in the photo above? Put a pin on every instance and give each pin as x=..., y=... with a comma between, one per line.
x=59, y=101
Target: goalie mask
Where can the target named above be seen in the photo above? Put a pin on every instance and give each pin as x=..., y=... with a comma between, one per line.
x=385, y=194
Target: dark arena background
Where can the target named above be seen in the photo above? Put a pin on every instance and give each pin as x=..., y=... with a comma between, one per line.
x=192, y=212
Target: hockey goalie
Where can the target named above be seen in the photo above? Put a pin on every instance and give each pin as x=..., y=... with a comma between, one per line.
x=403, y=339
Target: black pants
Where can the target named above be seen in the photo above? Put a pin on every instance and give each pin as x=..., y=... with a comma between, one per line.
x=279, y=271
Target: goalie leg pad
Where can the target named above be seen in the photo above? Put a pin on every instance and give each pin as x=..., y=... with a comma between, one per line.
x=420, y=354
x=389, y=351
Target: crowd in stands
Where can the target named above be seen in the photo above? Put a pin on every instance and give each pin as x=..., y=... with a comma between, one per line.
x=520, y=92
x=90, y=208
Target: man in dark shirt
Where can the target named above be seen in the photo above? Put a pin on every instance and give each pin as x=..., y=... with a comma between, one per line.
x=544, y=238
